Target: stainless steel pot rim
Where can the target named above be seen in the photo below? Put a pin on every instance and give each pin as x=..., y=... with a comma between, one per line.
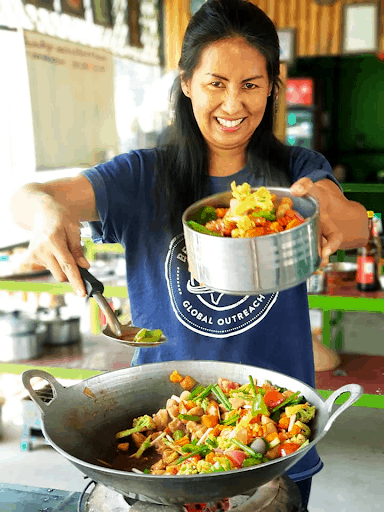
x=286, y=191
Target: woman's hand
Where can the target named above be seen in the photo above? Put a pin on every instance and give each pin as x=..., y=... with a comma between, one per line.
x=331, y=234
x=55, y=243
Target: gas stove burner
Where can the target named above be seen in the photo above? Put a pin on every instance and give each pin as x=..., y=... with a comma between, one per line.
x=280, y=495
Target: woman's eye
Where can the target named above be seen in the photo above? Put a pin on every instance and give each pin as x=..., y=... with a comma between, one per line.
x=248, y=85
x=216, y=84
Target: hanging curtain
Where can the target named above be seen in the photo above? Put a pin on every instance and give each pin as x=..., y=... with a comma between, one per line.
x=72, y=97
x=73, y=7
x=102, y=12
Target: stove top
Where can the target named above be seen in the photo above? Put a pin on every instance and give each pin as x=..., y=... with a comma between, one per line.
x=281, y=495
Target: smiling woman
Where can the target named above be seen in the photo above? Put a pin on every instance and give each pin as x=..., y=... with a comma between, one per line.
x=222, y=131
x=228, y=92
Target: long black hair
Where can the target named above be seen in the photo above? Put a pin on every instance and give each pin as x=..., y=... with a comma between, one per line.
x=183, y=161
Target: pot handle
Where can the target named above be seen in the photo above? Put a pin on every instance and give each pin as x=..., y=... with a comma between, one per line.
x=356, y=391
x=56, y=387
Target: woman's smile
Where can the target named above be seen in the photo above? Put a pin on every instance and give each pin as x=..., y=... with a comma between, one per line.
x=229, y=125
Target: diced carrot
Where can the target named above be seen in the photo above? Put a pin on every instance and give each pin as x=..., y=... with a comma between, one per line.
x=175, y=376
x=220, y=212
x=293, y=223
x=250, y=233
x=187, y=383
x=284, y=423
x=210, y=457
x=182, y=441
x=209, y=420
x=290, y=213
x=216, y=430
x=189, y=404
x=283, y=436
x=270, y=437
x=294, y=431
x=173, y=470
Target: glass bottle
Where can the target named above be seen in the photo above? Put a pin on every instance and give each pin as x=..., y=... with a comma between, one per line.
x=368, y=262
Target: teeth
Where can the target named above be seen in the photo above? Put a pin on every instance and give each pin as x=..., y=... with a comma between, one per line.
x=229, y=124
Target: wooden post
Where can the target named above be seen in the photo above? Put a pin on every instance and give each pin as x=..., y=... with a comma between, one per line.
x=280, y=120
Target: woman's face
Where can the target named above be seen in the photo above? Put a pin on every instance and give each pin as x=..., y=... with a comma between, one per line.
x=229, y=91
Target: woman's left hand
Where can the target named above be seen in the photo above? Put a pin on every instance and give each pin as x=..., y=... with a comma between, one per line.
x=331, y=235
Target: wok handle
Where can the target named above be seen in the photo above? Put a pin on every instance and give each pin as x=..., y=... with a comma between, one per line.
x=56, y=387
x=356, y=391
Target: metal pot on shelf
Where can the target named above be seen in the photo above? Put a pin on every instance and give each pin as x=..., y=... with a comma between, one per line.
x=21, y=336
x=61, y=330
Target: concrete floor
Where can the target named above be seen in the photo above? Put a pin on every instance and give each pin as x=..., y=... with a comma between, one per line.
x=351, y=480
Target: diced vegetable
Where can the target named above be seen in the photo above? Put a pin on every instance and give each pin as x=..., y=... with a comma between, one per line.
x=201, y=229
x=288, y=400
x=178, y=434
x=146, y=335
x=217, y=391
x=187, y=383
x=143, y=423
x=204, y=215
x=175, y=376
x=258, y=406
x=189, y=417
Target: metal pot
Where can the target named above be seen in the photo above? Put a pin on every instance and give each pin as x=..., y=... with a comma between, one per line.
x=60, y=331
x=16, y=322
x=24, y=346
x=263, y=264
x=82, y=420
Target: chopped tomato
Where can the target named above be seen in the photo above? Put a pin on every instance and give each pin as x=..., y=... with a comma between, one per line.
x=236, y=456
x=288, y=448
x=273, y=398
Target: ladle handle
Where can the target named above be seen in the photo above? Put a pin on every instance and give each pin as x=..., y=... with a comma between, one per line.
x=92, y=285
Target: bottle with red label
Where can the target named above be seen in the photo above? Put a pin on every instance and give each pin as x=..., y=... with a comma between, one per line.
x=368, y=263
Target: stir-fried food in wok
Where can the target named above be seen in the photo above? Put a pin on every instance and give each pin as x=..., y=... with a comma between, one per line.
x=250, y=214
x=219, y=427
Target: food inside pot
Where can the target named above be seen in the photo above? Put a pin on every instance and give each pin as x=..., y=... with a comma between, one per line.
x=219, y=427
x=249, y=214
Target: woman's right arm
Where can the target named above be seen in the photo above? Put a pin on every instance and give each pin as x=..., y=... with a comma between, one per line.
x=53, y=212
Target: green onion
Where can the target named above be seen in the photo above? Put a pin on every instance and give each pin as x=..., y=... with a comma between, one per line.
x=286, y=401
x=204, y=393
x=196, y=391
x=182, y=459
x=216, y=390
x=266, y=214
x=178, y=434
x=201, y=229
x=188, y=448
x=146, y=471
x=247, y=449
x=189, y=417
x=252, y=385
x=231, y=420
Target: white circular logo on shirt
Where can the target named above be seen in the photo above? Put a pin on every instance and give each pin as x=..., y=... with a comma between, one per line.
x=206, y=311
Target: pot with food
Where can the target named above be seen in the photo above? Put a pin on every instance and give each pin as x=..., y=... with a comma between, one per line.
x=251, y=241
x=186, y=431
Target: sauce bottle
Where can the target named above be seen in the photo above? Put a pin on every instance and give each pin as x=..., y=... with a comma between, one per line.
x=368, y=262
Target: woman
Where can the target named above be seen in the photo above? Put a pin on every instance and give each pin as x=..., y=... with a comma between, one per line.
x=224, y=104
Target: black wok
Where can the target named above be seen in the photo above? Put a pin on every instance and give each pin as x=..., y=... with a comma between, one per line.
x=81, y=421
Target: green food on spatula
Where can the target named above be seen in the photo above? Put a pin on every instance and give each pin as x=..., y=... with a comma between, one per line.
x=145, y=335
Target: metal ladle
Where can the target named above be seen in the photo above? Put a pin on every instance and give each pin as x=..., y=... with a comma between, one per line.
x=114, y=329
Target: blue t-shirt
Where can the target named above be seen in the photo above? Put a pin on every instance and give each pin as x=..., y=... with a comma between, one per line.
x=271, y=331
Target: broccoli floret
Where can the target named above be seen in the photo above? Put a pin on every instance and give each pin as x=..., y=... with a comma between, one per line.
x=144, y=446
x=306, y=414
x=203, y=402
x=139, y=424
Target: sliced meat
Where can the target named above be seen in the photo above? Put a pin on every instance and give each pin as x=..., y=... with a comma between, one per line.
x=172, y=408
x=176, y=424
x=161, y=419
